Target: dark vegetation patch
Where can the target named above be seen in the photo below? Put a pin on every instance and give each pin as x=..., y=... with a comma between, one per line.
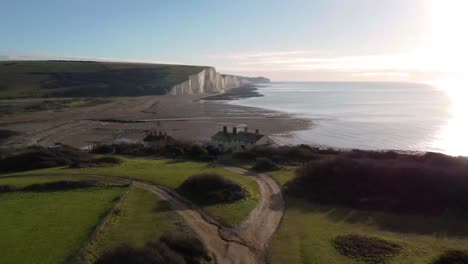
x=171, y=149
x=287, y=155
x=59, y=186
x=367, y=249
x=168, y=249
x=211, y=188
x=16, y=107
x=424, y=184
x=453, y=257
x=37, y=157
x=97, y=162
x=7, y=188
x=7, y=134
x=265, y=164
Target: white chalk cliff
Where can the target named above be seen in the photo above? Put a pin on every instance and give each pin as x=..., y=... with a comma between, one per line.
x=208, y=81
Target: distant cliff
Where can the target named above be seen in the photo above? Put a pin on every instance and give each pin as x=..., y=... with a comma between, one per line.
x=210, y=81
x=45, y=79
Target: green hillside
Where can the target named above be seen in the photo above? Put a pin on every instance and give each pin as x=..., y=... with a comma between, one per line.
x=36, y=79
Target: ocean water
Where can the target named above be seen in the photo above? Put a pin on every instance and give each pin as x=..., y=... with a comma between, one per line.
x=399, y=116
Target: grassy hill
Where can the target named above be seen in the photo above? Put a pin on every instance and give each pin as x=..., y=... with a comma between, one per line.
x=36, y=79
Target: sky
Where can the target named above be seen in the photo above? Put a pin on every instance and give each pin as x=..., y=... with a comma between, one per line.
x=340, y=40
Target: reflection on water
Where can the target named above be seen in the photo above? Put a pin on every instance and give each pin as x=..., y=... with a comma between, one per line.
x=400, y=116
x=453, y=136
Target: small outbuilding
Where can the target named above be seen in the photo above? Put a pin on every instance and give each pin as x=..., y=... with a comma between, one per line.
x=239, y=141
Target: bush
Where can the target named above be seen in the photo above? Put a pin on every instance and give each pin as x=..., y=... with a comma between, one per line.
x=96, y=162
x=197, y=151
x=191, y=248
x=40, y=157
x=212, y=188
x=7, y=188
x=168, y=249
x=104, y=149
x=367, y=249
x=265, y=164
x=6, y=134
x=157, y=254
x=453, y=257
x=283, y=155
x=173, y=149
x=59, y=185
x=382, y=184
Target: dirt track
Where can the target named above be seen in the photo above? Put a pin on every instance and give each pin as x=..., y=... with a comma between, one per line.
x=244, y=244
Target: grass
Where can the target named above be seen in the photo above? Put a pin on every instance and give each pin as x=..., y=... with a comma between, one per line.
x=284, y=175
x=50, y=227
x=171, y=174
x=38, y=79
x=307, y=230
x=142, y=217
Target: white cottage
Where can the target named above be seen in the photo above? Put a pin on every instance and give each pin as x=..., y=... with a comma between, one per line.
x=239, y=141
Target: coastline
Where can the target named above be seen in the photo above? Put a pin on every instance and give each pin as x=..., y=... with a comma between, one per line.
x=191, y=118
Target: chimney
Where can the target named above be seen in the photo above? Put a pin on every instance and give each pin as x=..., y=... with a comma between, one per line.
x=246, y=129
x=225, y=129
x=257, y=131
x=234, y=130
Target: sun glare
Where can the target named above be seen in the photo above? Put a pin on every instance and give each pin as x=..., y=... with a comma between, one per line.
x=448, y=47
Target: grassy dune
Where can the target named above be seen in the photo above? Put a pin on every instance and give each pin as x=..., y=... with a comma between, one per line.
x=50, y=227
x=171, y=174
x=25, y=79
x=307, y=230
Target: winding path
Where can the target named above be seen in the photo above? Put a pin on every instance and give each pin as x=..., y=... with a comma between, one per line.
x=244, y=244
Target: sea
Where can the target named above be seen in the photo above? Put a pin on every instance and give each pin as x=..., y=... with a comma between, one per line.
x=368, y=115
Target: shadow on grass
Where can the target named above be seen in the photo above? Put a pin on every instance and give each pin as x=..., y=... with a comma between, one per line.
x=451, y=224
x=162, y=206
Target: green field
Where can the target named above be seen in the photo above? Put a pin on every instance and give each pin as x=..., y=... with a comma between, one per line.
x=33, y=79
x=171, y=174
x=142, y=217
x=307, y=230
x=50, y=227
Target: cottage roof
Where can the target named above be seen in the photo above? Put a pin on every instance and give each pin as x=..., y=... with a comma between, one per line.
x=246, y=137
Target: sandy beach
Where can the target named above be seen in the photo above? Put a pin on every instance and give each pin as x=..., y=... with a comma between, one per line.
x=183, y=117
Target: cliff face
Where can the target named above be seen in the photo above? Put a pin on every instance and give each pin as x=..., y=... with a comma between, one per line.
x=209, y=81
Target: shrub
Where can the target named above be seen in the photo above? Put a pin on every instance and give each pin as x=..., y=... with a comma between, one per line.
x=191, y=248
x=172, y=149
x=453, y=257
x=168, y=249
x=59, y=185
x=7, y=188
x=96, y=162
x=265, y=164
x=367, y=249
x=212, y=188
x=6, y=134
x=159, y=254
x=197, y=151
x=40, y=157
x=404, y=186
x=283, y=154
x=103, y=149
